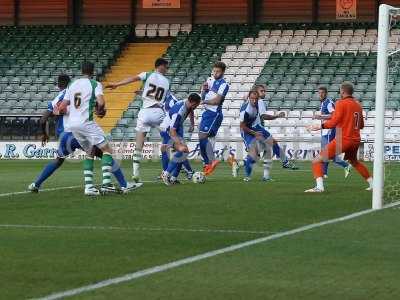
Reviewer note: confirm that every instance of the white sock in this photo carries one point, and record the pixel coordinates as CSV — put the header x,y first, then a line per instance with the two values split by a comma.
x,y
267,168
137,156
370,181
320,183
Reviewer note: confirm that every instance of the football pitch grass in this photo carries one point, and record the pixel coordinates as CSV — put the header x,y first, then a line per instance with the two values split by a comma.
x,y
60,240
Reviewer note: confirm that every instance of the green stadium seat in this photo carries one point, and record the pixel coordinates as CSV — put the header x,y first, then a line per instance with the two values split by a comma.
x,y
301,105
313,104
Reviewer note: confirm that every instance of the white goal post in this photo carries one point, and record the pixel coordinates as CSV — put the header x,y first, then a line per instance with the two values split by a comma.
x,y
386,12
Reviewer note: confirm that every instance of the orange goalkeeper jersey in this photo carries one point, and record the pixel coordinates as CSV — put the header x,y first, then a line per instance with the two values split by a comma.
x,y
347,119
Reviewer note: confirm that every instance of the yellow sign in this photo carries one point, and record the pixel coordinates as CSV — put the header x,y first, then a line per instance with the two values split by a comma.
x,y
161,3
346,9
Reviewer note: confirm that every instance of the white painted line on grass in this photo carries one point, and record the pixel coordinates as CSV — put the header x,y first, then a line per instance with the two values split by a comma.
x,y
192,259
44,190
105,228
53,189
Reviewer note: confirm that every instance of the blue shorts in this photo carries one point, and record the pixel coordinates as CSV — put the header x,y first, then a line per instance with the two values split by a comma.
x,y
210,122
326,139
166,138
67,144
248,139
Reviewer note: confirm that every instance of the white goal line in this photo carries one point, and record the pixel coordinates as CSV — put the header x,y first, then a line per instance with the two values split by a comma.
x,y
43,190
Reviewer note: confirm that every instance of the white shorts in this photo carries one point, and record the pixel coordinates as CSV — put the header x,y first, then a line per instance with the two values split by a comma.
x,y
165,123
89,135
149,118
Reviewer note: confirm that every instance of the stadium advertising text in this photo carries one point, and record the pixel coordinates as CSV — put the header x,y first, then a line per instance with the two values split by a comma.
x,y
124,150
391,151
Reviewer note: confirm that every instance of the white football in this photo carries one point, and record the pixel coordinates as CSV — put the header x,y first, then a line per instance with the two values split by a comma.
x,y
199,177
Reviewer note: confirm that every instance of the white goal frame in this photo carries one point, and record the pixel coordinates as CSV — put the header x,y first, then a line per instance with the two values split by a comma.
x,y
385,11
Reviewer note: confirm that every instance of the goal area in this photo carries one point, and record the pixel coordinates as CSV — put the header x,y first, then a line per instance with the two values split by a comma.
x,y
386,144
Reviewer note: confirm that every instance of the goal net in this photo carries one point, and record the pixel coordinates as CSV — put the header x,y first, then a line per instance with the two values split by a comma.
x,y
386,150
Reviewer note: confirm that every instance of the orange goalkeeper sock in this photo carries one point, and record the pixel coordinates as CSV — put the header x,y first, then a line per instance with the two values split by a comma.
x,y
362,169
318,169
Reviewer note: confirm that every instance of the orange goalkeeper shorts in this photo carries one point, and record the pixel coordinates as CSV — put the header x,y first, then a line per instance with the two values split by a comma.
x,y
349,148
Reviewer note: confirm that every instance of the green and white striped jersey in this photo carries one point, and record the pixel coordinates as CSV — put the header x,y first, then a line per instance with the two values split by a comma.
x,y
82,95
156,87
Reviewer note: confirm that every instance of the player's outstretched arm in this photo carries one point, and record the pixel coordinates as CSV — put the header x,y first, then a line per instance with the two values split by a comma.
x,y
125,81
271,117
323,117
314,127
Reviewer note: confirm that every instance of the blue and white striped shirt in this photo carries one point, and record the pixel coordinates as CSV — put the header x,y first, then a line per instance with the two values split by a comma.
x,y
327,108
178,114
216,87
250,114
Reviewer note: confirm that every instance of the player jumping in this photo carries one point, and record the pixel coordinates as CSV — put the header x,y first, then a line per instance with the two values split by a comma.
x,y
156,87
177,116
82,96
348,120
327,135
213,94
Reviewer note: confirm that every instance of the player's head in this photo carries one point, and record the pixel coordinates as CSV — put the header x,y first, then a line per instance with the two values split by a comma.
x,y
322,93
63,81
261,89
253,97
161,65
87,68
218,70
346,89
194,100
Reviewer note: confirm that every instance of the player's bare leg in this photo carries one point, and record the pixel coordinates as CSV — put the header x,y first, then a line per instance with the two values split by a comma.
x,y
137,155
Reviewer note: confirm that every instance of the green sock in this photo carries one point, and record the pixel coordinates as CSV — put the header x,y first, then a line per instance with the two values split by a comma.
x,y
106,166
88,172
